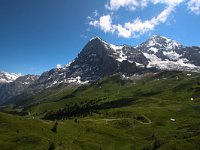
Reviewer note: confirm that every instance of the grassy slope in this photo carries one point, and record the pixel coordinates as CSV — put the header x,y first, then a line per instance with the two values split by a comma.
x,y
142,124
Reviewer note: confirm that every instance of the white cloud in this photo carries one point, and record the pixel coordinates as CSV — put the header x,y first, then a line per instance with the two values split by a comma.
x,y
114,5
134,28
122,32
163,16
95,13
168,2
94,23
194,6
137,27
104,22
58,66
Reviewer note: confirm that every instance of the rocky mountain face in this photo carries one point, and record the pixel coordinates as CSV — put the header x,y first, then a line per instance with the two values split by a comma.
x,y
99,59
96,60
16,87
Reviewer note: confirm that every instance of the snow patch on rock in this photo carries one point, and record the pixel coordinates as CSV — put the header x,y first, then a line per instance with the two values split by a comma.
x,y
181,64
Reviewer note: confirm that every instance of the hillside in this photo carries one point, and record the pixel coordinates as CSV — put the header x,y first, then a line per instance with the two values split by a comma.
x,y
152,111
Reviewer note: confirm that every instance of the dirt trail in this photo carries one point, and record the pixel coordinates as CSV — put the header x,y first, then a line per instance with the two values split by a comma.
x,y
118,119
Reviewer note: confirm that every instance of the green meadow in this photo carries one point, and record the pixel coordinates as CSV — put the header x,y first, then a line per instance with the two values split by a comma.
x,y
154,111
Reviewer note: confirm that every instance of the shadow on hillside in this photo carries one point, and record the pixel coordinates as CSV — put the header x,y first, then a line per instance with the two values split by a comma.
x,y
86,109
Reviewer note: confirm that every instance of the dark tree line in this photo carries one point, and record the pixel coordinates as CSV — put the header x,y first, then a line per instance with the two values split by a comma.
x,y
72,110
85,109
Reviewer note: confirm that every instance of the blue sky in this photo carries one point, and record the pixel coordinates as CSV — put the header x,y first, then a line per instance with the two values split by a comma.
x,y
36,35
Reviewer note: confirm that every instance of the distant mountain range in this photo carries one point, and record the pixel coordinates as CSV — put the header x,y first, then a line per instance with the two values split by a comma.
x,y
99,59
14,86
6,77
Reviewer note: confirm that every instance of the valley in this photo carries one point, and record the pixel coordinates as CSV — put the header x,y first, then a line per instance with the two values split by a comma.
x,y
111,113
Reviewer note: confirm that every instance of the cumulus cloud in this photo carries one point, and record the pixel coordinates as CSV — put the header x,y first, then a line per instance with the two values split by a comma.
x,y
194,6
167,2
130,4
134,28
104,22
58,66
137,27
122,32
114,5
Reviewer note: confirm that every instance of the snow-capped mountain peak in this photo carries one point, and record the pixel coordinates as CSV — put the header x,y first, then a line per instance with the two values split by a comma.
x,y
169,43
106,44
95,37
161,43
98,39
168,54
6,77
